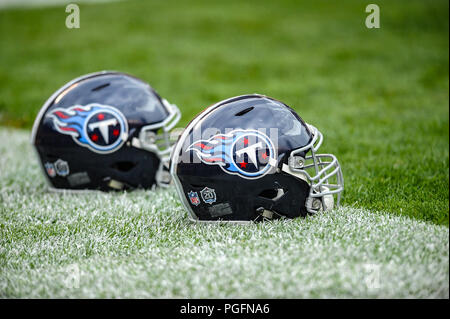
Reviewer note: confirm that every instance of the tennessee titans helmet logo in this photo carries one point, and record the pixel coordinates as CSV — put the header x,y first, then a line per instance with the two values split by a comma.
x,y
248,153
102,129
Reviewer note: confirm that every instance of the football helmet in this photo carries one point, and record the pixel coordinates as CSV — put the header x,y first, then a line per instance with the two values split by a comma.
x,y
252,158
105,131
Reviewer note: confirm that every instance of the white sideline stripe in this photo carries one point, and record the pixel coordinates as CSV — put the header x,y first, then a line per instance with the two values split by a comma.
x,y
4,4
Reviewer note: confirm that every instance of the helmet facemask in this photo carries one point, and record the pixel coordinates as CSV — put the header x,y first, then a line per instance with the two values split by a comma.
x,y
155,138
321,171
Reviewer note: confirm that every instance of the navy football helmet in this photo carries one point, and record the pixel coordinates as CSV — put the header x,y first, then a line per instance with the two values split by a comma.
x,y
105,131
252,158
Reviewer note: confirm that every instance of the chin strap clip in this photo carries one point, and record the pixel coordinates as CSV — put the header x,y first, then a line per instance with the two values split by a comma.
x,y
114,184
266,214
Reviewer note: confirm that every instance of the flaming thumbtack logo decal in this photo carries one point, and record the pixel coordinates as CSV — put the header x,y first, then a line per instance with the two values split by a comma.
x,y
101,128
247,153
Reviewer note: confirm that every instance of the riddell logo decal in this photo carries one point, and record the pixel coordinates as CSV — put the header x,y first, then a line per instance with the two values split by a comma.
x,y
101,128
247,153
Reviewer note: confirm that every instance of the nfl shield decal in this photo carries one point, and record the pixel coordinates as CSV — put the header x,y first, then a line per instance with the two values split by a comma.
x,y
50,168
193,197
247,153
101,128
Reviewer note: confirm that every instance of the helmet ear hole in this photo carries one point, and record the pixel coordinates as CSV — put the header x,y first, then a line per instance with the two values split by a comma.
x,y
272,193
123,166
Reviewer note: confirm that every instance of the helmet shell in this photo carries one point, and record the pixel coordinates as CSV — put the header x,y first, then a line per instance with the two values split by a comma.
x,y
83,132
227,163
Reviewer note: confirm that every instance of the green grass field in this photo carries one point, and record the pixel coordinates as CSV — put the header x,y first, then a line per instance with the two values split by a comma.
x,y
380,96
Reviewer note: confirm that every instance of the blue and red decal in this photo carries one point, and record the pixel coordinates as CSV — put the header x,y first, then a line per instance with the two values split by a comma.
x,y
248,153
193,197
101,128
